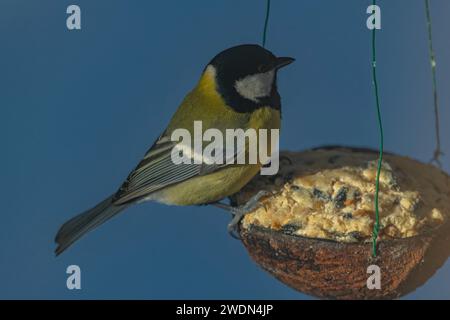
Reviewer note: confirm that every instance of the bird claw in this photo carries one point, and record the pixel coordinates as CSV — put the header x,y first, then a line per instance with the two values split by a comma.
x,y
287,158
240,211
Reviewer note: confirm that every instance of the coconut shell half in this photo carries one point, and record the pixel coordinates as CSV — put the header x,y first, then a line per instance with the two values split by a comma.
x,y
332,269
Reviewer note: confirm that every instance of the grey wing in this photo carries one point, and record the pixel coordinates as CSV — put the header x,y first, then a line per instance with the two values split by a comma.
x,y
156,171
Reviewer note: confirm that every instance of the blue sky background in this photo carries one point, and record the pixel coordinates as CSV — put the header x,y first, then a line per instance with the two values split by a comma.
x,y
80,108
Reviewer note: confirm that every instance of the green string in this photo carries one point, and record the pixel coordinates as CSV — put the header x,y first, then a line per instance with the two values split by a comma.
x,y
376,226
266,22
437,152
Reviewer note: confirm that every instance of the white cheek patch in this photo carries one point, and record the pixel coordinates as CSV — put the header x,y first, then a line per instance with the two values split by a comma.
x,y
255,86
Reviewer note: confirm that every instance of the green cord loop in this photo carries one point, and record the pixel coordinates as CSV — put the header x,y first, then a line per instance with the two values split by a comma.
x,y
266,23
437,152
376,226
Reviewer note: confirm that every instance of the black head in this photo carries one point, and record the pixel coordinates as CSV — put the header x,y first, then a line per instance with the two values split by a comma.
x,y
246,77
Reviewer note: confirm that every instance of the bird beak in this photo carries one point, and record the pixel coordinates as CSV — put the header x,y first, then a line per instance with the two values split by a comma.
x,y
280,62
277,63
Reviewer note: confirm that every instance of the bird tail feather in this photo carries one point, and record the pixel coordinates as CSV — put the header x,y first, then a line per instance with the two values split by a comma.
x,y
81,224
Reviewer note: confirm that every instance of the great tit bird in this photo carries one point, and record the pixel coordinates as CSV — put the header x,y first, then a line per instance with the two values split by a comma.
x,y
237,89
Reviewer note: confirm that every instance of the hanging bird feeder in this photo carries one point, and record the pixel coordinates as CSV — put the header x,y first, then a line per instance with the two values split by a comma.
x,y
336,215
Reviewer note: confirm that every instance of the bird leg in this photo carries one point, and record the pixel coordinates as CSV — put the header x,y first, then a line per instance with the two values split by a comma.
x,y
239,212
